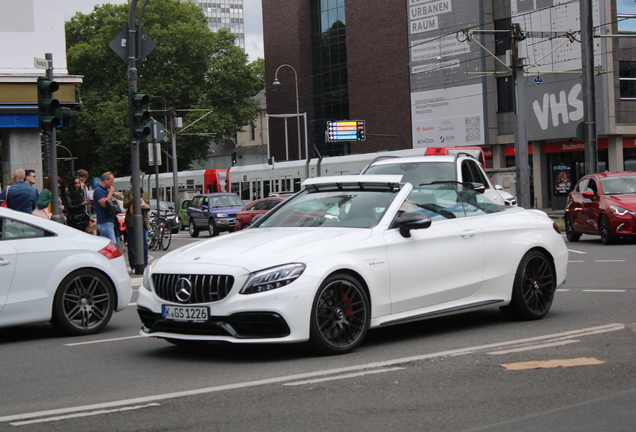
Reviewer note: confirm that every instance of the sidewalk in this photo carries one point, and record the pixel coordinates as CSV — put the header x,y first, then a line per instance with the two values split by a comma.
x,y
554,213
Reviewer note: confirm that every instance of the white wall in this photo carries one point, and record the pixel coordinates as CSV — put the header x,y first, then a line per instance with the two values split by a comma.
x,y
29,29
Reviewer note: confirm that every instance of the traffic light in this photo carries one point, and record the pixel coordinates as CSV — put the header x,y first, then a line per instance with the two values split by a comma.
x,y
49,109
359,135
139,116
233,158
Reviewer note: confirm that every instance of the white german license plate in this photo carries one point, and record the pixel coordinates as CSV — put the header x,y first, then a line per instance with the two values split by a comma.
x,y
185,313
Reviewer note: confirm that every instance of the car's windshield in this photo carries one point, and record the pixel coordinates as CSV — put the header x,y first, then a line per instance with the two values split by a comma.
x,y
619,185
162,205
417,173
225,201
448,200
352,207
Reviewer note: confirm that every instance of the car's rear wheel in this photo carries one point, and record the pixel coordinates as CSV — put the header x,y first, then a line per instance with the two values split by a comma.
x,y
339,316
571,235
212,228
533,288
83,303
194,231
605,231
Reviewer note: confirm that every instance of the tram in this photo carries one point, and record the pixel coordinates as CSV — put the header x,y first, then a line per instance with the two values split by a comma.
x,y
252,182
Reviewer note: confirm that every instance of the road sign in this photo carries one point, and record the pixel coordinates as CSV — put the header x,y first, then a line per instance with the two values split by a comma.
x,y
40,63
538,80
346,130
119,44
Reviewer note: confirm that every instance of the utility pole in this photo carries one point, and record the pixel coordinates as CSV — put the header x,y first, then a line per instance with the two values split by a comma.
x,y
589,90
175,175
522,171
134,144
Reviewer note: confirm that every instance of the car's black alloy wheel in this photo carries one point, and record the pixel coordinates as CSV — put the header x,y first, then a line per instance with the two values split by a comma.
x,y
604,231
83,303
569,230
533,288
340,315
194,231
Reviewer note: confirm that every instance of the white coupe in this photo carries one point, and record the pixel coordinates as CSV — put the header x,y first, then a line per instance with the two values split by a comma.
x,y
350,253
52,272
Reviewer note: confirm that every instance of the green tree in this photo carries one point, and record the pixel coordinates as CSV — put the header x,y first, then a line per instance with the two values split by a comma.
x,y
202,74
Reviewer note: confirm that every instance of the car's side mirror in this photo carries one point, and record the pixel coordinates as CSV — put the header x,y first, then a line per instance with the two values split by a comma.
x,y
410,221
478,187
588,194
498,187
205,208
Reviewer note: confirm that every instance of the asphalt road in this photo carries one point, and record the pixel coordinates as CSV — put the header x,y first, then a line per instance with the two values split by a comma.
x,y
438,375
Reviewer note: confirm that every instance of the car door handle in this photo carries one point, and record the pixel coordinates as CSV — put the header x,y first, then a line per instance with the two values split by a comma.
x,y
4,262
468,233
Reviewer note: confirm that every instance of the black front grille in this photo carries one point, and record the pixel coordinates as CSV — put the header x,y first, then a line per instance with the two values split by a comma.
x,y
204,288
252,325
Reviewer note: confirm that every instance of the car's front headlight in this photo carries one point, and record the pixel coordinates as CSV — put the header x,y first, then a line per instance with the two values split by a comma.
x,y
620,211
272,278
221,215
148,278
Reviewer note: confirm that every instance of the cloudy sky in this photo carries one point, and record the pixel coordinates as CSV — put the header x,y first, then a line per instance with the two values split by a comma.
x,y
253,20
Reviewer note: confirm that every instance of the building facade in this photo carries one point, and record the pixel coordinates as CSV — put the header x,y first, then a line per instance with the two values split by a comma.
x,y
224,14
35,28
424,73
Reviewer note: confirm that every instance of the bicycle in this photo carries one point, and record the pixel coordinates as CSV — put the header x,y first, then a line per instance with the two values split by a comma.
x,y
160,234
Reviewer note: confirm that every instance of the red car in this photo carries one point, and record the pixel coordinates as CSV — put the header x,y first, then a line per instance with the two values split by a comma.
x,y
602,204
261,206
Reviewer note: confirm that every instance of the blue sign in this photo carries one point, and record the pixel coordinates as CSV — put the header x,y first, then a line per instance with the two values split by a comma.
x,y
96,181
538,80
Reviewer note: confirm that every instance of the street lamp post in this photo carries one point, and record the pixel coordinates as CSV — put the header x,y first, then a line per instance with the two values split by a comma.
x,y
276,82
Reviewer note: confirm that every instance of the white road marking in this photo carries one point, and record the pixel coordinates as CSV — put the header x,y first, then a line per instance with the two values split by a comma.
x,y
576,261
606,261
577,252
83,414
339,377
605,290
563,289
533,347
307,375
102,341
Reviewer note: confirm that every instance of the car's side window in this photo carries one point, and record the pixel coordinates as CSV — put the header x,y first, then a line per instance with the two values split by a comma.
x,y
466,174
196,202
581,187
14,230
591,185
270,204
253,207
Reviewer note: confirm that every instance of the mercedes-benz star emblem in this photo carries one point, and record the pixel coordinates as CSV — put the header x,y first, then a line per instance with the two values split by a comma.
x,y
183,290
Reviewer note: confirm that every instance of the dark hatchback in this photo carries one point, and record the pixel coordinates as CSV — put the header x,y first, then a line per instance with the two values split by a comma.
x,y
215,212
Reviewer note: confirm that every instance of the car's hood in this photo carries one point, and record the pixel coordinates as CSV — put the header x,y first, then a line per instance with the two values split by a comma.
x,y
627,201
259,248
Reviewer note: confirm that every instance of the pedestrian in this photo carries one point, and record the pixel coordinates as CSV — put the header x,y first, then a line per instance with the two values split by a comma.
x,y
129,222
20,196
82,174
46,196
76,205
105,221
30,177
